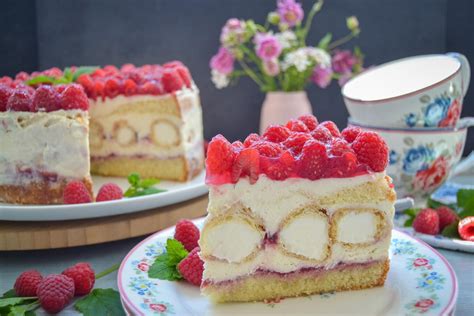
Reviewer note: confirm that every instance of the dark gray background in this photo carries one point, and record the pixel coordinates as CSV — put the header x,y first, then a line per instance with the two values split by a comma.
x,y
45,33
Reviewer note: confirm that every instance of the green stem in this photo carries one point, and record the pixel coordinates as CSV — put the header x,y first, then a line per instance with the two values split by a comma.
x,y
309,20
107,271
341,41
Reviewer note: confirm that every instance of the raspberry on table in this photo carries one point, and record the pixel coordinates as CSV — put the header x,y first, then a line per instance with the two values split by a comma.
x,y
350,133
371,150
276,133
247,162
427,222
466,228
83,276
313,160
220,155
332,128
109,192
76,192
46,98
20,100
27,283
187,233
192,267
74,98
296,126
446,217
55,292
309,120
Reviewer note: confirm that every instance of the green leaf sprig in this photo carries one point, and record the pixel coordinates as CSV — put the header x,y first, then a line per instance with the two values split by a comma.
x,y
141,187
165,265
69,76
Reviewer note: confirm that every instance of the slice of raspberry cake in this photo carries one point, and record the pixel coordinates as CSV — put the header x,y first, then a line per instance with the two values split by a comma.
x,y
301,209
43,140
145,119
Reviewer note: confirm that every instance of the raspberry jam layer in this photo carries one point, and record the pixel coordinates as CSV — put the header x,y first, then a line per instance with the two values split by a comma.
x,y
302,148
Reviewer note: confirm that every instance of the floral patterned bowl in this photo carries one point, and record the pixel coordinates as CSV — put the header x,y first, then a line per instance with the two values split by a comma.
x,y
421,158
420,91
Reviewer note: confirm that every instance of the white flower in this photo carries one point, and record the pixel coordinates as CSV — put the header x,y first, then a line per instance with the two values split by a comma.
x,y
297,58
286,38
219,79
320,56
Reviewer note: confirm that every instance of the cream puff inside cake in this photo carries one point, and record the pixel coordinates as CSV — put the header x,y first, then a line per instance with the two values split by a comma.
x,y
302,209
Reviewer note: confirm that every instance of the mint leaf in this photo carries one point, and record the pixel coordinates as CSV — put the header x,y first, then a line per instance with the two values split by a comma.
x,y
24,310
466,213
133,179
146,183
411,213
67,74
451,231
84,70
165,265
465,200
175,250
40,79
100,302
324,42
140,187
147,191
9,293
15,300
435,204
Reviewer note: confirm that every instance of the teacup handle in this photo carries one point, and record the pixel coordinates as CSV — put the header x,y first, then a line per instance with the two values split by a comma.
x,y
465,122
465,70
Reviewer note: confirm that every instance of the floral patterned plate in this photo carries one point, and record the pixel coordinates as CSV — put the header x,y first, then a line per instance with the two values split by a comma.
x,y
420,281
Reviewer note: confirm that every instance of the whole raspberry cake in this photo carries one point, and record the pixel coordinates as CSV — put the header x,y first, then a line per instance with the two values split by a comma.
x,y
301,209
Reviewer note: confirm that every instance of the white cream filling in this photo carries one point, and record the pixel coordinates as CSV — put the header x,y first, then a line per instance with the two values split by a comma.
x,y
357,227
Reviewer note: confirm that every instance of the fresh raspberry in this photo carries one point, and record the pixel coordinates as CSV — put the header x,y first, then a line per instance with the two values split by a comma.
x,y
466,228
184,74
446,217
27,283
192,267
237,146
338,146
76,192
55,292
309,120
110,70
129,87
296,142
171,80
350,133
427,222
99,88
343,165
252,138
83,276
322,134
187,233
173,64
151,87
74,98
136,77
112,88
98,73
46,98
280,169
5,93
220,155
22,76
52,72
371,150
268,149
247,162
128,68
332,128
276,133
296,126
60,88
5,80
88,84
313,160
109,192
20,100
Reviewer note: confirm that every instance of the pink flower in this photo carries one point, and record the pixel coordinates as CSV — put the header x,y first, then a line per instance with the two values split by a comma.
x,y
429,179
420,262
143,266
267,46
233,32
452,116
424,303
322,76
223,61
271,67
158,307
290,12
343,61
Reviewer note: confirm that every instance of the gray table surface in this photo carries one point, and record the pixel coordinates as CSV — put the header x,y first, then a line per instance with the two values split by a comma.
x,y
105,255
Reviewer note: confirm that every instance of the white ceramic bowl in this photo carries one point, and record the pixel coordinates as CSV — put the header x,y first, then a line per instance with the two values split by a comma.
x,y
420,91
421,158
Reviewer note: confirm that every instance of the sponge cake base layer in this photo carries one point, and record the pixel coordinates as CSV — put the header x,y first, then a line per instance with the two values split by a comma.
x,y
263,286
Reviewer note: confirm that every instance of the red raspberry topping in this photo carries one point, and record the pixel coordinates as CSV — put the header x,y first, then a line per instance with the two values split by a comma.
x,y
88,84
427,222
74,98
322,134
53,72
220,155
371,150
99,88
296,142
338,146
466,228
5,93
446,217
252,138
112,88
185,75
128,68
83,276
192,267
129,87
20,100
247,162
109,192
55,292
173,64
350,133
237,146
309,120
27,283
280,169
187,233
313,160
6,80
60,88
76,192
296,126
98,73
136,76
268,149
340,166
332,128
171,80
22,76
46,98
110,70
276,133
150,87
